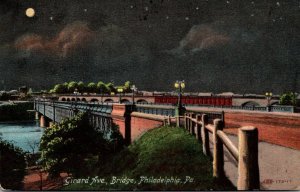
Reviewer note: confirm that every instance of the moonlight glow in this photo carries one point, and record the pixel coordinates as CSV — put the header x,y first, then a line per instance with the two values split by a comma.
x,y
30,12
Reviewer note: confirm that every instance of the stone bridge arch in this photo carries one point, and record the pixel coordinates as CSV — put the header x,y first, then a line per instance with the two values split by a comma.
x,y
275,103
94,100
63,99
250,104
125,101
108,101
141,101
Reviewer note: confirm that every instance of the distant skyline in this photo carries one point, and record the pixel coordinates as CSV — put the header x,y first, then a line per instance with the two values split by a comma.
x,y
214,45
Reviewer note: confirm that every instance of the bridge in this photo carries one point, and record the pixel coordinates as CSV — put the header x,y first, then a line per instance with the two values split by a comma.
x,y
108,98
237,103
134,120
128,114
257,101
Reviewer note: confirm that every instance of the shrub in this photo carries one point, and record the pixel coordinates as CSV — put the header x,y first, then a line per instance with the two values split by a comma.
x,y
12,166
288,99
67,146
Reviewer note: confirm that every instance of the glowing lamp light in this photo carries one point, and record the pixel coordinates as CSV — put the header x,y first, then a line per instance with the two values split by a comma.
x,y
269,94
120,90
182,85
179,84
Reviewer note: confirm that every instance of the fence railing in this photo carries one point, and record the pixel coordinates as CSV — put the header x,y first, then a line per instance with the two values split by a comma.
x,y
155,109
281,108
56,111
211,115
273,108
246,154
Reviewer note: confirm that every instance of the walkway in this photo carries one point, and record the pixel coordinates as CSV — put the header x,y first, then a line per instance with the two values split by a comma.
x,y
279,166
32,181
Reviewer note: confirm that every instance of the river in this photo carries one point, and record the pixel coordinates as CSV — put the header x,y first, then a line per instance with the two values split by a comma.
x,y
25,135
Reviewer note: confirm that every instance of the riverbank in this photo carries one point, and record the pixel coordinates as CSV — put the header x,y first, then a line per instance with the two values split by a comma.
x,y
19,121
16,111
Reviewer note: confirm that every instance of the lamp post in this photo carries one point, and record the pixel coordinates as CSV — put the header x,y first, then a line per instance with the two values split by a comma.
x,y
179,86
101,92
269,97
120,91
76,93
133,88
294,99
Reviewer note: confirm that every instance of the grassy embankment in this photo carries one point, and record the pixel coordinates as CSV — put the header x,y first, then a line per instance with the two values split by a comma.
x,y
16,112
162,152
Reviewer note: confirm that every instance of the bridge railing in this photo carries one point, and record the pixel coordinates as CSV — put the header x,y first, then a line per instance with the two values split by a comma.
x,y
155,109
273,108
67,109
99,113
211,115
281,108
246,154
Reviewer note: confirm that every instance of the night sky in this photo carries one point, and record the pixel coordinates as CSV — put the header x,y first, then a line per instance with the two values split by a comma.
x,y
214,45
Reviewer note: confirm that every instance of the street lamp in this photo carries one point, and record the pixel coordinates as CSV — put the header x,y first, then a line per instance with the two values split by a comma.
x,y
133,88
294,99
269,97
76,94
120,90
179,85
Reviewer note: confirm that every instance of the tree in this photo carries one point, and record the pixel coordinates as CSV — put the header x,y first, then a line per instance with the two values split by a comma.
x,y
127,86
81,87
33,145
12,166
59,88
288,99
4,96
66,146
65,85
92,87
72,86
101,87
110,87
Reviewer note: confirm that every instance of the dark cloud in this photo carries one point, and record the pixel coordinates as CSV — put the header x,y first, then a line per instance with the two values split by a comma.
x,y
201,37
72,37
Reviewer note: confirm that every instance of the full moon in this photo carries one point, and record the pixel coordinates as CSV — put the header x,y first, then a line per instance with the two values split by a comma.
x,y
30,12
